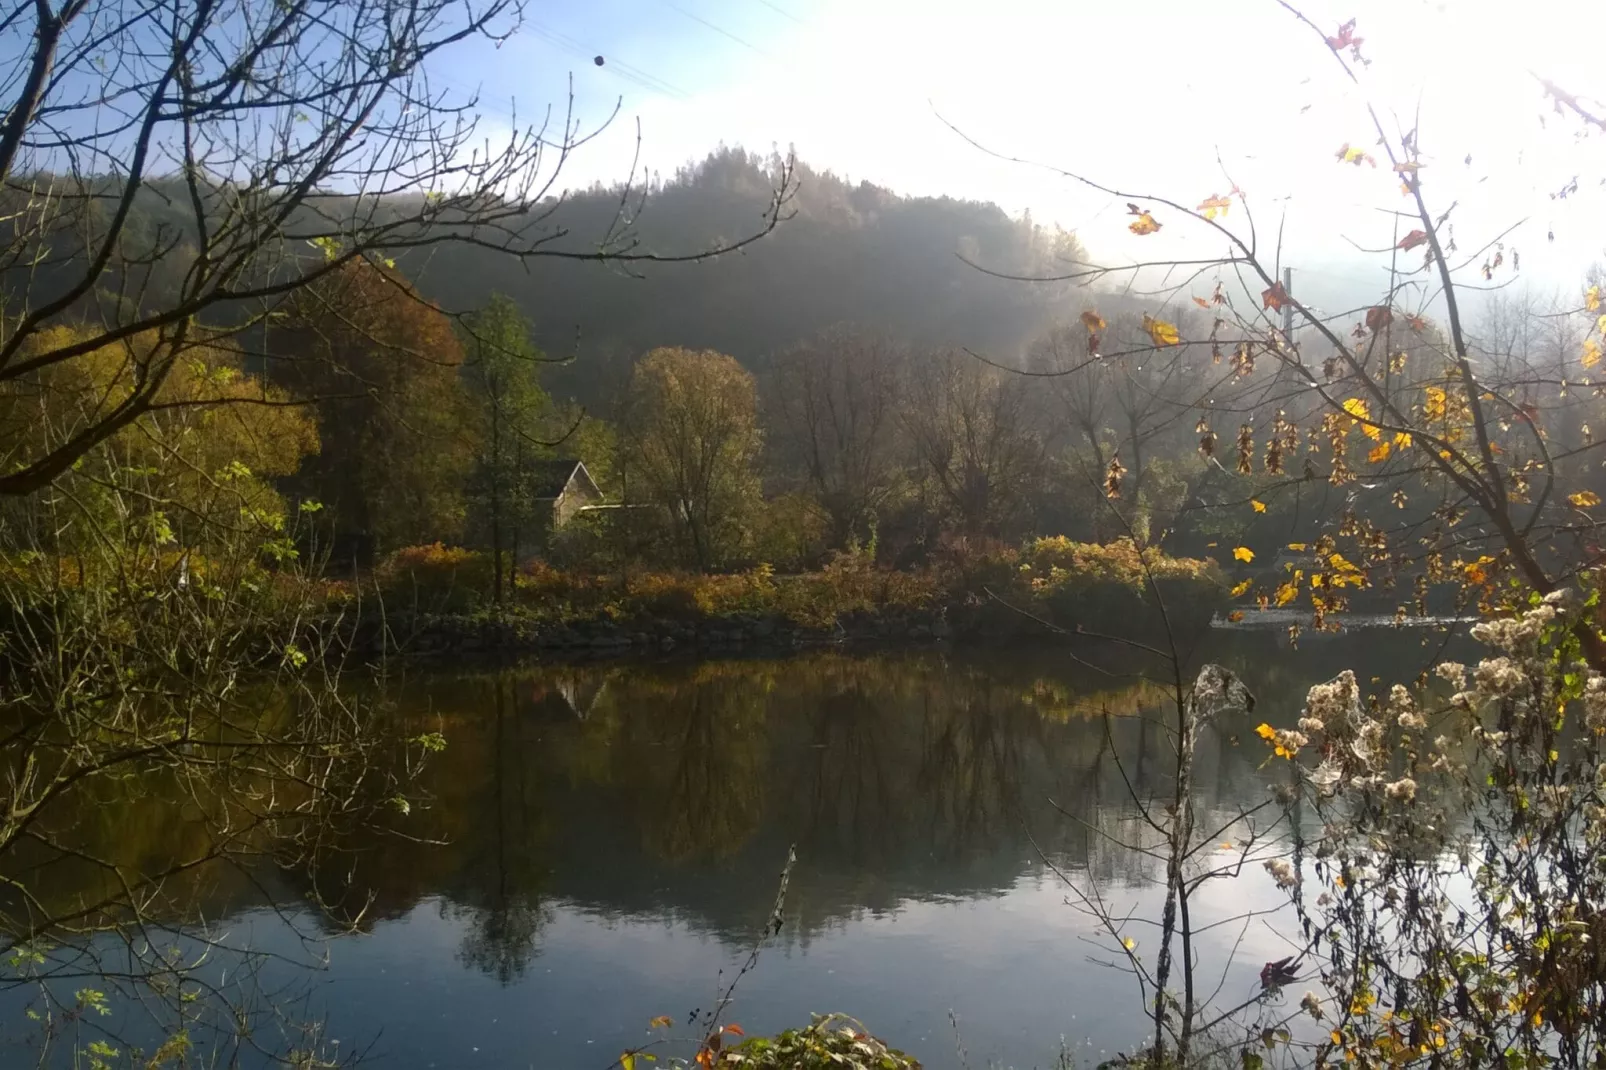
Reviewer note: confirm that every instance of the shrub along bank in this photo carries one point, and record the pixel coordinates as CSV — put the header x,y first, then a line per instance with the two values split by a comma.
x,y
438,599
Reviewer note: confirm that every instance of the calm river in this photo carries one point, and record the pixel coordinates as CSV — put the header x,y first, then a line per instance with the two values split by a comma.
x,y
600,844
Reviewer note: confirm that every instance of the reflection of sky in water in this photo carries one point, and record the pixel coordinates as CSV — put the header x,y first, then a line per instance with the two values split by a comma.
x,y
613,835
1014,967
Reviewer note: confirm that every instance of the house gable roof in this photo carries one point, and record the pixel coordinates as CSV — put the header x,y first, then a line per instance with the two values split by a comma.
x,y
549,479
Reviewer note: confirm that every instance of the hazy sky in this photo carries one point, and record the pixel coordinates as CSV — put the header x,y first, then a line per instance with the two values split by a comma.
x,y
1139,94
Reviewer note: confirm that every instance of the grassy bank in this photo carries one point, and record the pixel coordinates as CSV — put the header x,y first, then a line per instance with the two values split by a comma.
x,y
442,597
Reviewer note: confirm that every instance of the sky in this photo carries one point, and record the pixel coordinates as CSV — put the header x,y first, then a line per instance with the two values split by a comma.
x,y
1156,97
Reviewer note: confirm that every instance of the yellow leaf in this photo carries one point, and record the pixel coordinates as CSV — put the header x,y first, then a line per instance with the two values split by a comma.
x,y
1297,547
627,1061
1243,553
1143,224
1129,943
1379,453
1163,333
1225,846
1436,404
1092,320
1259,507
1242,587
1287,593
1235,616
1584,499
1592,299
1265,731
1402,440
1214,206
1591,355
663,1021
1357,408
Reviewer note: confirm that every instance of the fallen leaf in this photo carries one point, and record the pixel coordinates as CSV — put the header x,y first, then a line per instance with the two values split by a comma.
x,y
1584,499
1163,333
1201,302
1416,323
1092,320
1235,616
1297,547
1274,297
1243,553
734,1028
1412,240
1214,206
1259,507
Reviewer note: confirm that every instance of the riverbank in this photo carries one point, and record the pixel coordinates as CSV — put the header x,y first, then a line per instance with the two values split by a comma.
x,y
439,601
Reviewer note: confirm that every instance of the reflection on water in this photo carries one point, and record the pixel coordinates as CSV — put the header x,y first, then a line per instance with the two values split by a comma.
x,y
598,841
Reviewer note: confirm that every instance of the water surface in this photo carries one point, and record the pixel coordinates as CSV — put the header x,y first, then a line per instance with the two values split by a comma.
x,y
600,844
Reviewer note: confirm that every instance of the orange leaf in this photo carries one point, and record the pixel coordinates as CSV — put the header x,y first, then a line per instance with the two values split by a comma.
x,y
1274,297
1236,615
1378,317
1380,453
1092,320
734,1028
1201,302
663,1021
1416,323
1412,240
1143,224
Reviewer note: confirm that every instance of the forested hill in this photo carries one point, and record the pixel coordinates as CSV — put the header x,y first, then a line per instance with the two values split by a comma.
x,y
853,253
846,254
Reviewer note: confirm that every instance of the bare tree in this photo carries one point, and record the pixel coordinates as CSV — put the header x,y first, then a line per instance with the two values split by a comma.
x,y
832,403
971,429
177,169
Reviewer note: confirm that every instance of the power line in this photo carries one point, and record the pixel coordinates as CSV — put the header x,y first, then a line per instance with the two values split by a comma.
x,y
779,10
618,68
716,28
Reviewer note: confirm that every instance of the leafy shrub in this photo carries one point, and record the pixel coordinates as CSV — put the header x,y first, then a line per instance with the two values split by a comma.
x,y
436,578
832,1041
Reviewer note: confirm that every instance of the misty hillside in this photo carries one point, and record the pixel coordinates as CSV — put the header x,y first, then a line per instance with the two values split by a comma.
x,y
850,253
847,253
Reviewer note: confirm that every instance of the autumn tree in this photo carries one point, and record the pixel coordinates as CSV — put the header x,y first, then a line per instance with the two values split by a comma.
x,y
972,431
234,154
510,413
693,439
1117,405
383,365
833,406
